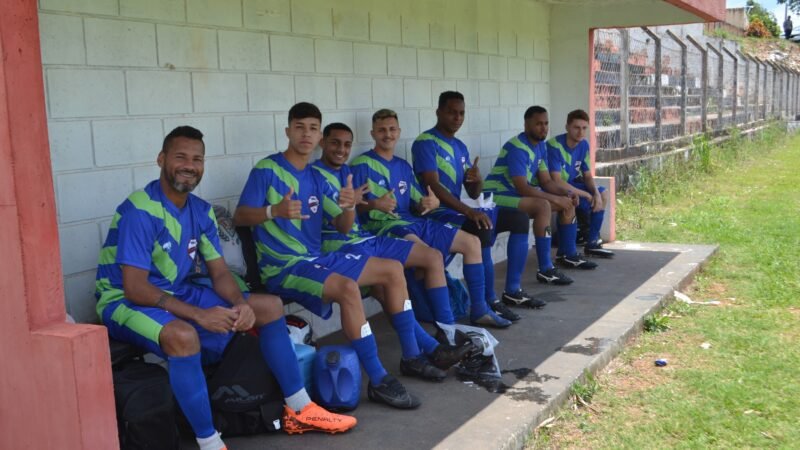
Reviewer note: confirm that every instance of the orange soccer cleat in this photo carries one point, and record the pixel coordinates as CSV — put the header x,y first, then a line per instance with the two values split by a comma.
x,y
315,418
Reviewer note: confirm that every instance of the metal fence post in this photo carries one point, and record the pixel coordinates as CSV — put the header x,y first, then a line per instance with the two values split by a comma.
x,y
746,86
657,79
624,103
684,68
755,106
764,112
704,83
720,82
735,83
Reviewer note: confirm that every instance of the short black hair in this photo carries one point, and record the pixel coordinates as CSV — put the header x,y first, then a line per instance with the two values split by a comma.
x,y
446,96
335,126
304,110
182,131
534,110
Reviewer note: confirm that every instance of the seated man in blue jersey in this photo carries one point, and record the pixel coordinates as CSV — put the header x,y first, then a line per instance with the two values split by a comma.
x,y
442,162
570,164
521,180
393,199
156,239
287,201
337,142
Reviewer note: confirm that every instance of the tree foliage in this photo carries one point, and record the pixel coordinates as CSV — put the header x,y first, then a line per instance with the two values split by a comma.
x,y
794,5
757,12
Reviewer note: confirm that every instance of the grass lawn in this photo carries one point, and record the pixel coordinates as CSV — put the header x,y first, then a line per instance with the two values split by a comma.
x,y
732,375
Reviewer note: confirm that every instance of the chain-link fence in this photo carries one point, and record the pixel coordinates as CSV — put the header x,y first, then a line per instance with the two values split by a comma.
x,y
654,88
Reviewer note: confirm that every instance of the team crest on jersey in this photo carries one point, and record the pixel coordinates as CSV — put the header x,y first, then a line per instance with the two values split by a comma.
x,y
447,158
463,160
167,246
382,183
313,204
403,187
192,248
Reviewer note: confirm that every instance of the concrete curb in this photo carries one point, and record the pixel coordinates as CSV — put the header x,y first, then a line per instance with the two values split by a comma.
x,y
506,424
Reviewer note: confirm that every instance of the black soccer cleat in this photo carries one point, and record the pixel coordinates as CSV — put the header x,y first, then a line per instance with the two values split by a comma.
x,y
596,249
553,276
446,356
522,299
575,262
420,367
391,392
504,311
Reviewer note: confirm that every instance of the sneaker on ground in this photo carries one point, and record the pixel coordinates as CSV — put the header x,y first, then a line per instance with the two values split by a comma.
x,y
504,311
523,299
315,418
553,276
596,249
575,262
392,393
446,356
420,367
490,319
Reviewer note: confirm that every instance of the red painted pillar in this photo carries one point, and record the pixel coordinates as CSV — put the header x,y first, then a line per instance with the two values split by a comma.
x,y
55,387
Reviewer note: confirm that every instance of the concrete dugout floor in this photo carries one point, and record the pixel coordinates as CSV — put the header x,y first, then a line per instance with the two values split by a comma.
x,y
583,327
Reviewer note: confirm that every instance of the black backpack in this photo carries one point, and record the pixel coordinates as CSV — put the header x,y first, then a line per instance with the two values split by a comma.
x,y
245,396
145,405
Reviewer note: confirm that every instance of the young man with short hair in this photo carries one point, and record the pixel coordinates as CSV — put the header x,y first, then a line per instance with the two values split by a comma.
x,y
286,201
337,142
520,180
570,164
156,239
442,161
394,196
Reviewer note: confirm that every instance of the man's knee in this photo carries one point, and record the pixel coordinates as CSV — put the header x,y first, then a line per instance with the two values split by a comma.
x,y
343,291
178,338
432,258
266,307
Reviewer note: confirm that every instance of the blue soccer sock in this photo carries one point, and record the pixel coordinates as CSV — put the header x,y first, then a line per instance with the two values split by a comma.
x,y
439,298
595,224
476,281
488,273
403,323
278,352
567,233
517,256
367,351
189,386
426,342
543,252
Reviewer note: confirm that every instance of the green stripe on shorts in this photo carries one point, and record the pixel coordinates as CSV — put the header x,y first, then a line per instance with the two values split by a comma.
x,y
137,322
507,201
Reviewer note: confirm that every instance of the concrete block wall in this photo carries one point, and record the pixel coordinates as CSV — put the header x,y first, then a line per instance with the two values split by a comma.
x,y
120,74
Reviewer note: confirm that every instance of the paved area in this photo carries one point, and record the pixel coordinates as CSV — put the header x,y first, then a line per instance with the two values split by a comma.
x,y
583,326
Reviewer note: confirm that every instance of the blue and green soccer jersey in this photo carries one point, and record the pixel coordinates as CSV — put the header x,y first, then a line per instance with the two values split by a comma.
x,y
332,240
449,156
518,158
283,242
570,162
149,232
382,176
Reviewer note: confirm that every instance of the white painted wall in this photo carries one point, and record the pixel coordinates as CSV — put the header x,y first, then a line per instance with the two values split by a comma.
x,y
120,74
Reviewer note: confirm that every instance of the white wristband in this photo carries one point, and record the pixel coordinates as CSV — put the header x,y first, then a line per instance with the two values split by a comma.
x,y
269,212
352,208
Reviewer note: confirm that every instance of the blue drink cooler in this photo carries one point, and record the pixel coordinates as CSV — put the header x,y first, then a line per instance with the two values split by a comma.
x,y
305,359
337,378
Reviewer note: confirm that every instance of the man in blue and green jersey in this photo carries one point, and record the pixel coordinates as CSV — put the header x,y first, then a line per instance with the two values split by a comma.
x,y
570,164
521,180
393,199
286,201
157,238
442,161
337,142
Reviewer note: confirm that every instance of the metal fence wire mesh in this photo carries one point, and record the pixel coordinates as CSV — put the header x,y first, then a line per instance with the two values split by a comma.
x,y
641,101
